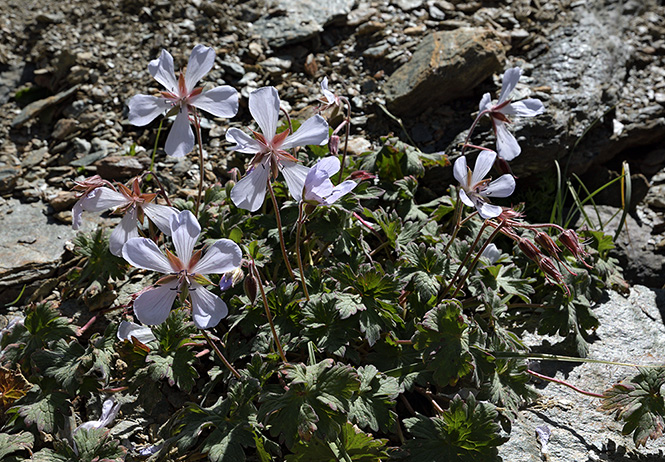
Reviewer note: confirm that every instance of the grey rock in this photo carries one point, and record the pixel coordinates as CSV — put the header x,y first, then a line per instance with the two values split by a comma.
x,y
64,128
636,246
34,108
301,21
31,245
631,331
121,167
234,69
35,157
377,51
444,66
8,177
9,81
408,5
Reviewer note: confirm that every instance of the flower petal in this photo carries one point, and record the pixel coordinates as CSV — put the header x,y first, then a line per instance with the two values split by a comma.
x,y
483,165
163,71
102,199
465,198
244,143
317,184
485,102
503,186
77,211
207,309
329,164
185,231
250,191
160,215
264,107
180,141
153,306
525,108
313,131
224,255
486,210
220,101
143,109
339,191
200,62
143,253
460,172
506,144
126,229
127,330
295,175
510,79
492,253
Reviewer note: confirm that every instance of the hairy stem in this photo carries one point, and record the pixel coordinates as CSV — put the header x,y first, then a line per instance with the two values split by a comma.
x,y
346,138
279,230
257,275
301,220
561,382
220,355
197,124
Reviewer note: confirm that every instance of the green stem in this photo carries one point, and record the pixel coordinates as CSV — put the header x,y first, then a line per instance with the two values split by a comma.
x,y
456,218
570,359
197,124
466,259
301,220
478,254
221,356
279,230
257,275
346,138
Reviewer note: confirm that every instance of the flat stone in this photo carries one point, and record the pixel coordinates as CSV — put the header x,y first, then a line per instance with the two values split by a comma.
x,y
33,109
34,157
121,167
64,128
302,20
8,177
445,66
631,331
31,244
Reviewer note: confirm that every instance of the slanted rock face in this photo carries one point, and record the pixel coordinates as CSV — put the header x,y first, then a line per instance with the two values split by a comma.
x,y
445,65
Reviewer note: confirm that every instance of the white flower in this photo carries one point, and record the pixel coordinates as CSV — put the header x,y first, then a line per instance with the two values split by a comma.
x,y
270,150
109,410
329,98
132,203
476,189
127,330
506,144
185,270
318,189
182,94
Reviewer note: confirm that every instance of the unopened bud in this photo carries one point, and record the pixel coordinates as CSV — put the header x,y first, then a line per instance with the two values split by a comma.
x,y
546,242
529,249
360,175
503,166
333,145
251,286
571,241
549,268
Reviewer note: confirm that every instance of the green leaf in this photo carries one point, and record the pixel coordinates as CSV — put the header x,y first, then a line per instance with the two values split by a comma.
x,y
639,404
322,323
568,318
66,363
372,405
177,329
94,444
505,279
229,423
466,432
47,411
354,444
13,443
315,403
443,338
100,264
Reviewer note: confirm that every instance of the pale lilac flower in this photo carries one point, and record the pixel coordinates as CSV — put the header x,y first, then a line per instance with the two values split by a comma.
x,y
499,113
318,189
270,150
127,330
182,94
329,98
492,253
476,189
185,271
132,203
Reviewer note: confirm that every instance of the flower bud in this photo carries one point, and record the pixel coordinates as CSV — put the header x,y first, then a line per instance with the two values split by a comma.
x,y
546,242
251,287
360,175
333,145
529,249
231,278
571,241
503,166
